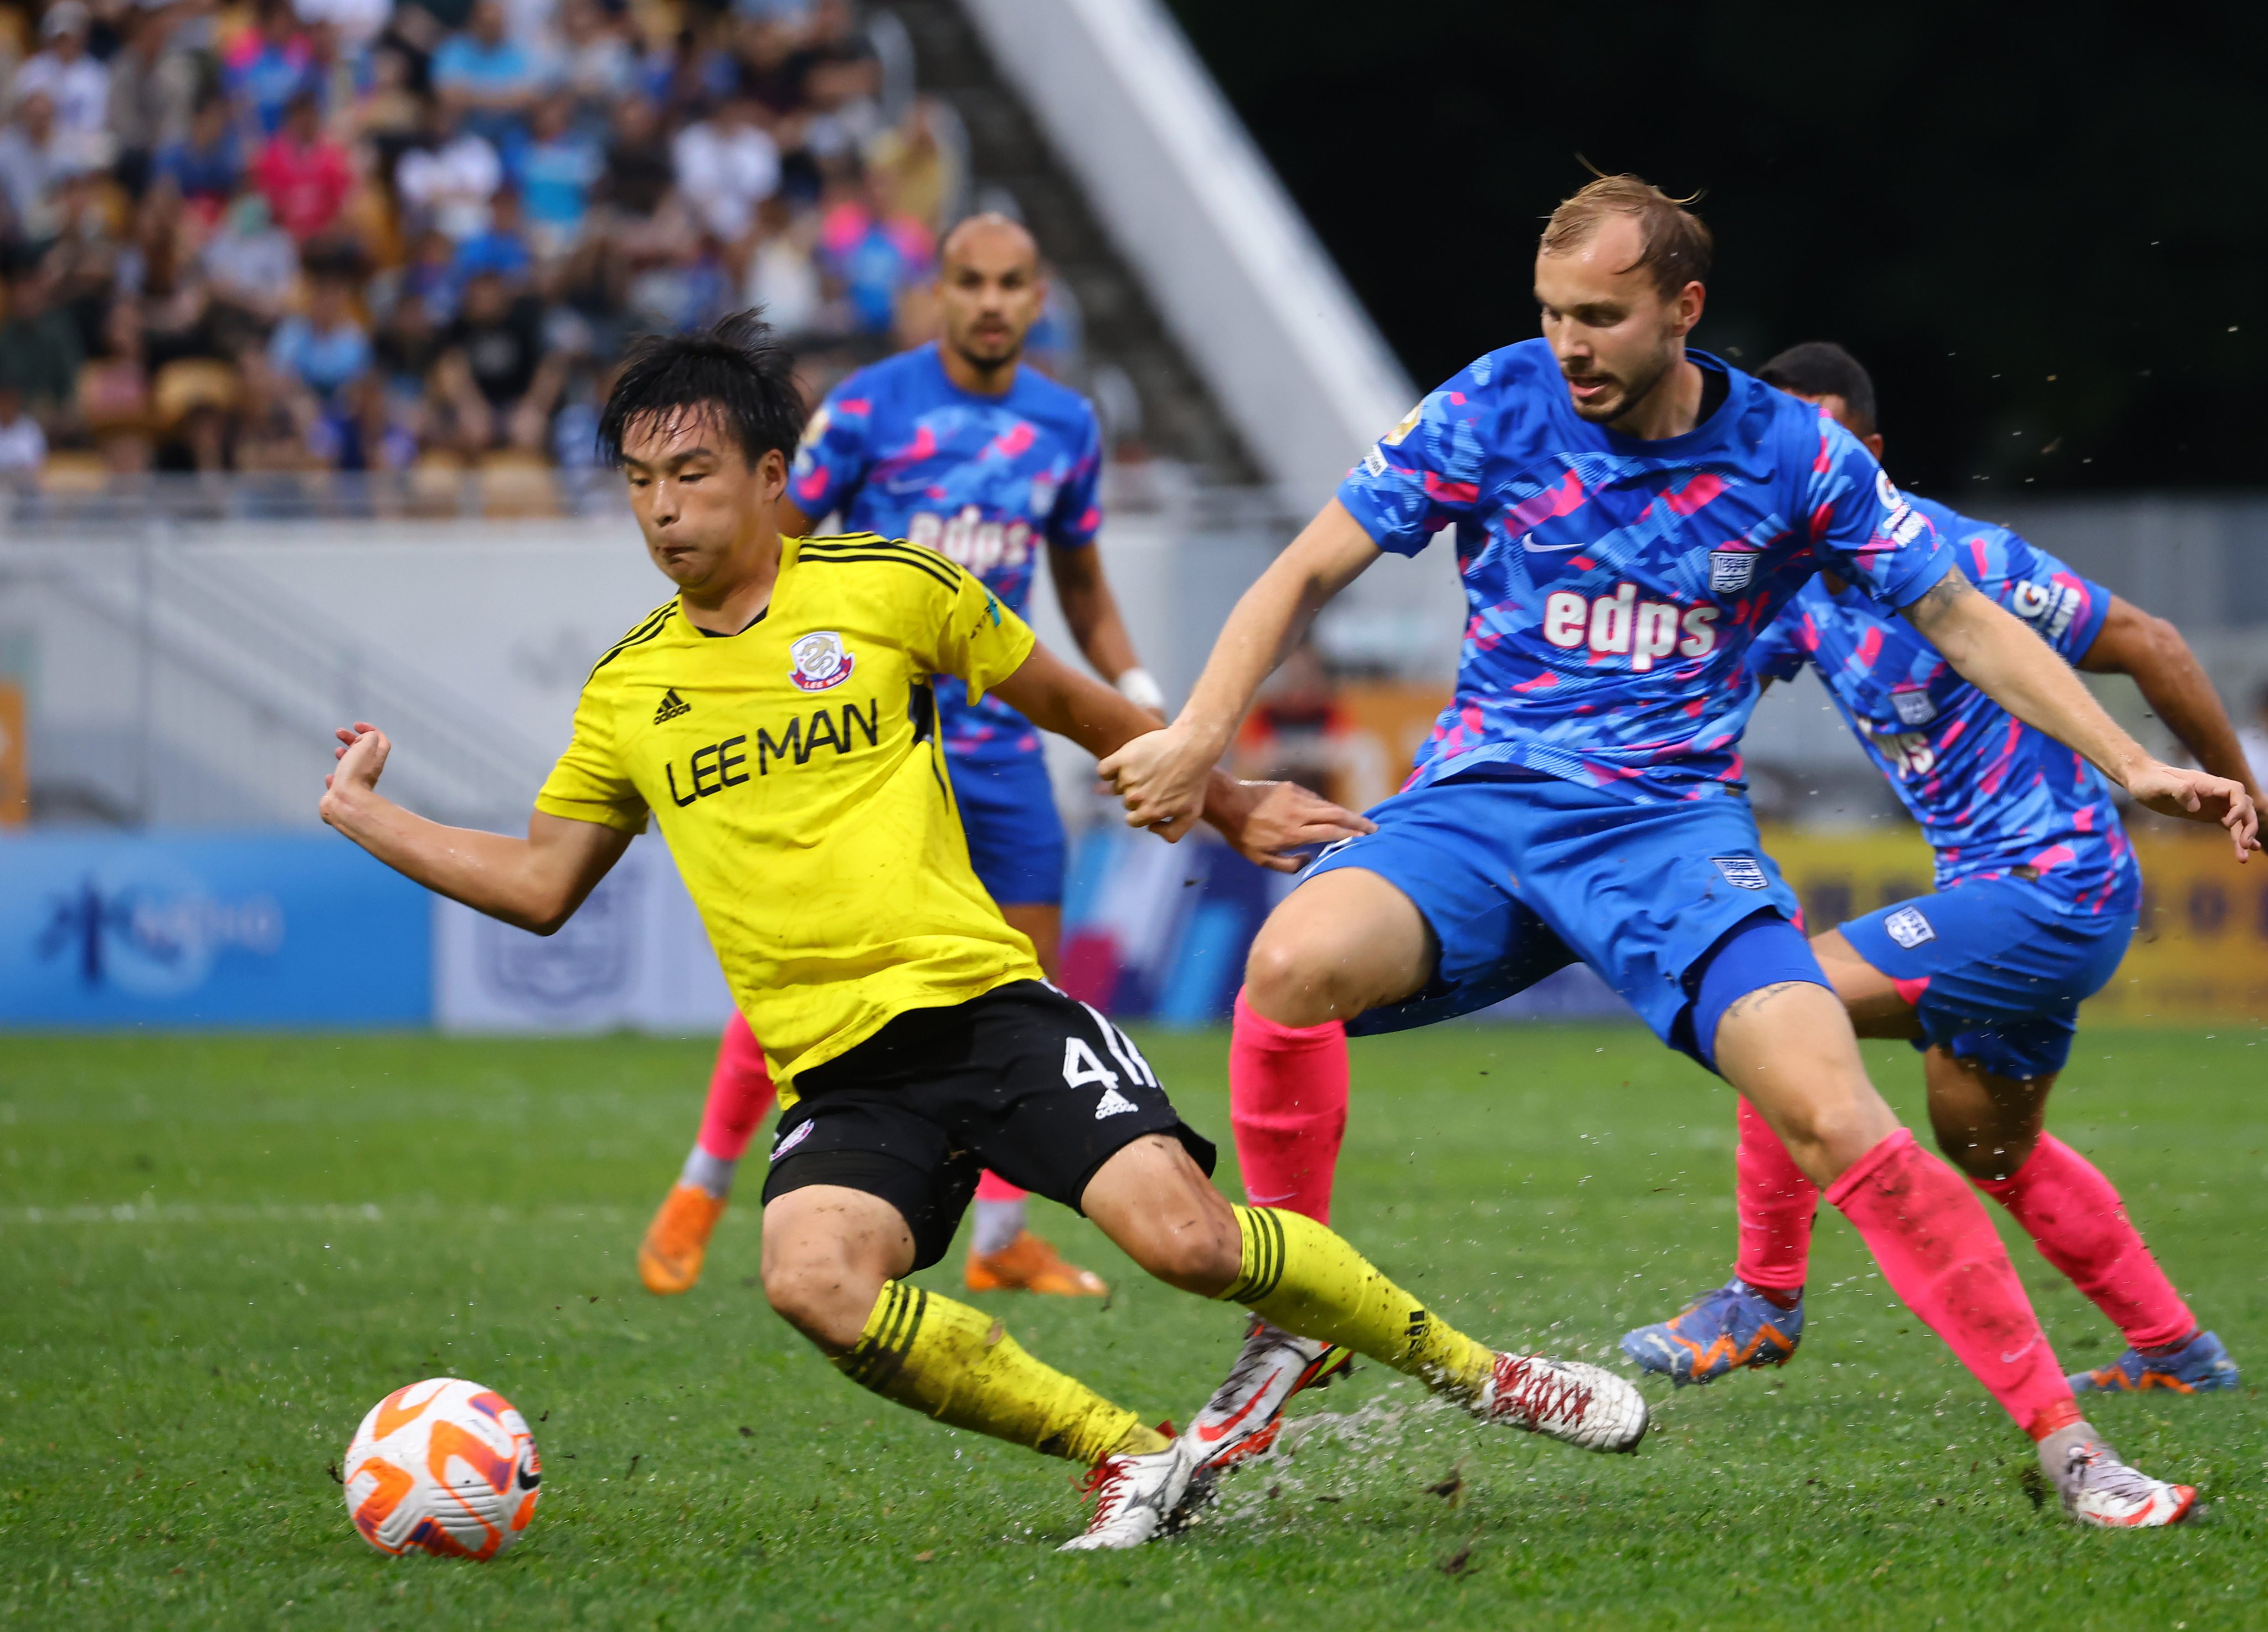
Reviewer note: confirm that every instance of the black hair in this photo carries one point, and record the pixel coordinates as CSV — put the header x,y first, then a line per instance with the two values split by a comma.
x,y
1820,368
737,369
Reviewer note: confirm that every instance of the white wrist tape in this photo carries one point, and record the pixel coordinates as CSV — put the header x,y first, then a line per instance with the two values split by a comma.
x,y
1140,687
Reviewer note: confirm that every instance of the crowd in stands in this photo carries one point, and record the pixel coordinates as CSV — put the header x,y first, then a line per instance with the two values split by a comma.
x,y
364,235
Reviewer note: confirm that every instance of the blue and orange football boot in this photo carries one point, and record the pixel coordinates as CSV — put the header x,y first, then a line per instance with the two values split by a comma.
x,y
1720,1331
2198,1366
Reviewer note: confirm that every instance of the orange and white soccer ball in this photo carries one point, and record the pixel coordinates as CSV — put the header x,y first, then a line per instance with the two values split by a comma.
x,y
443,1466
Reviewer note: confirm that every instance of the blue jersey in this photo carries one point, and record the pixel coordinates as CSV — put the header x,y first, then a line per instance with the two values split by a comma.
x,y
900,450
1614,584
1995,798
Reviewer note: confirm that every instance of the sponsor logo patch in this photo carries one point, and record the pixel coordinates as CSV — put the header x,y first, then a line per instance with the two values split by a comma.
x,y
1374,462
821,662
801,1131
1908,927
1731,570
1742,872
1113,1103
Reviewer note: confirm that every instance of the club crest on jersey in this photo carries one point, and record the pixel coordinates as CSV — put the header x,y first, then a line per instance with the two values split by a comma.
x,y
1731,570
795,1138
1742,872
1908,927
820,661
1913,705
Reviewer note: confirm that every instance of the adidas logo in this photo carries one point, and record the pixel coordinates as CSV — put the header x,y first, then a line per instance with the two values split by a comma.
x,y
1113,1103
671,706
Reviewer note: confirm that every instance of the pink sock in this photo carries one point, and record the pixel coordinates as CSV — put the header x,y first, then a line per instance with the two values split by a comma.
x,y
2074,1216
739,1093
992,1187
1287,1105
1776,1203
1937,1249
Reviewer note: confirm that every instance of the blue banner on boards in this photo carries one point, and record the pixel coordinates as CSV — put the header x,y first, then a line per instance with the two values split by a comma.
x,y
179,930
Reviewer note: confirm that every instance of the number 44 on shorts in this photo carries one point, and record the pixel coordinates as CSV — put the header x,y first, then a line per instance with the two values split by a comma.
x,y
1082,1068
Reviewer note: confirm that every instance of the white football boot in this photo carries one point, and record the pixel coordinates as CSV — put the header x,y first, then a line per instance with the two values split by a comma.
x,y
1583,1406
1134,1497
1245,1412
2102,1492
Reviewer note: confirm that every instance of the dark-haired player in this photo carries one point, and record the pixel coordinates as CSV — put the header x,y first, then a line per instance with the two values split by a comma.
x,y
777,716
2038,891
1629,514
960,446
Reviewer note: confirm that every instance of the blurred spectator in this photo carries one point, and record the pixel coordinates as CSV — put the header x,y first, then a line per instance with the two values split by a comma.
x,y
501,248
302,174
114,390
356,22
144,102
596,66
269,65
35,161
493,380
451,184
252,262
875,252
555,169
23,445
325,349
206,166
77,84
639,168
40,354
486,80
725,166
783,275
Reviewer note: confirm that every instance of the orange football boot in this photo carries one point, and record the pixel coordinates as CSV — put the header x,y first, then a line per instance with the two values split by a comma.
x,y
669,1258
1028,1264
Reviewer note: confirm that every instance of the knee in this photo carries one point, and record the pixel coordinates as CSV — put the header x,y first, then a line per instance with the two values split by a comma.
x,y
1280,980
1984,1154
1204,1257
820,1296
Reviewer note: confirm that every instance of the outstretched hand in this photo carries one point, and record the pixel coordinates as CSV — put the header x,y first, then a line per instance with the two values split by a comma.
x,y
1267,820
2193,795
361,754
1161,775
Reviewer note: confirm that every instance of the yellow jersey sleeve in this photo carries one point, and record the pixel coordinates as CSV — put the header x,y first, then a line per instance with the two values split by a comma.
x,y
591,782
977,639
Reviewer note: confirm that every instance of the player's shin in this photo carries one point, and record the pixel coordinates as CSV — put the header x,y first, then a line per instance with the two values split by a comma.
x,y
740,1094
1288,1106
1299,1274
1937,1248
961,1366
1777,1203
2074,1215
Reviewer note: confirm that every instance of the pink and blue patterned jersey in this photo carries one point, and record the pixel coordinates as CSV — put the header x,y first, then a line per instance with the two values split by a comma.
x,y
900,450
1614,584
1995,798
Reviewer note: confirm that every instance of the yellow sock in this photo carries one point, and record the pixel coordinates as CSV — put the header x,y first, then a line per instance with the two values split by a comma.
x,y
1306,1280
959,1366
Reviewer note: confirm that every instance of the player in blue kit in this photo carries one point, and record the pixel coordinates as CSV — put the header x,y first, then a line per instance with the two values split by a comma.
x,y
2036,894
959,446
1629,514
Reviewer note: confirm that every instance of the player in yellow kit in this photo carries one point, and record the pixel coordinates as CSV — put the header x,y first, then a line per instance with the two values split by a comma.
x,y
777,718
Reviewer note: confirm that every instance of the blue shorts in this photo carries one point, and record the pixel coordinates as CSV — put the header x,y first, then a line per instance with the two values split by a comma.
x,y
1015,835
1517,877
1994,970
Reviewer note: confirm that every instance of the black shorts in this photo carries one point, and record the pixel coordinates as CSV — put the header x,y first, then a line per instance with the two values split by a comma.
x,y
1023,1080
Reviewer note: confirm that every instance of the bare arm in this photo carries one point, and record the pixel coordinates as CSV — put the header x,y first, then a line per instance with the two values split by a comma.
x,y
2173,682
1994,651
536,883
1162,776
1261,819
1092,610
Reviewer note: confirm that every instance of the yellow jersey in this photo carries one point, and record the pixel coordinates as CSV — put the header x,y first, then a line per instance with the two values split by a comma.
x,y
797,775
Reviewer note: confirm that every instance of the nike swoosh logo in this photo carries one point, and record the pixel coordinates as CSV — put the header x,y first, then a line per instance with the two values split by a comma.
x,y
2014,1355
1210,1434
1269,1201
1529,544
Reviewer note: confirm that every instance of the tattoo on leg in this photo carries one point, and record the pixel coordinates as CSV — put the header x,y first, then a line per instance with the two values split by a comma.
x,y
1747,1004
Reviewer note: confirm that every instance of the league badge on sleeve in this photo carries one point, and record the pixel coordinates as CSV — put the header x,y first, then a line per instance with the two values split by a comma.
x,y
1913,704
1742,872
821,662
1908,927
1732,569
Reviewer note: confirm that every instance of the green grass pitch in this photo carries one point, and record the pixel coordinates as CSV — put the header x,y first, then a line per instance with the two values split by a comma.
x,y
216,1255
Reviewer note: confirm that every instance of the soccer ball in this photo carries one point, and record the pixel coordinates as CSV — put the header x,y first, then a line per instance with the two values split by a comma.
x,y
443,1466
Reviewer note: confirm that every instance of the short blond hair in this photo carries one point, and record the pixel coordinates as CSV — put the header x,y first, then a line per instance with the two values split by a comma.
x,y
1674,246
